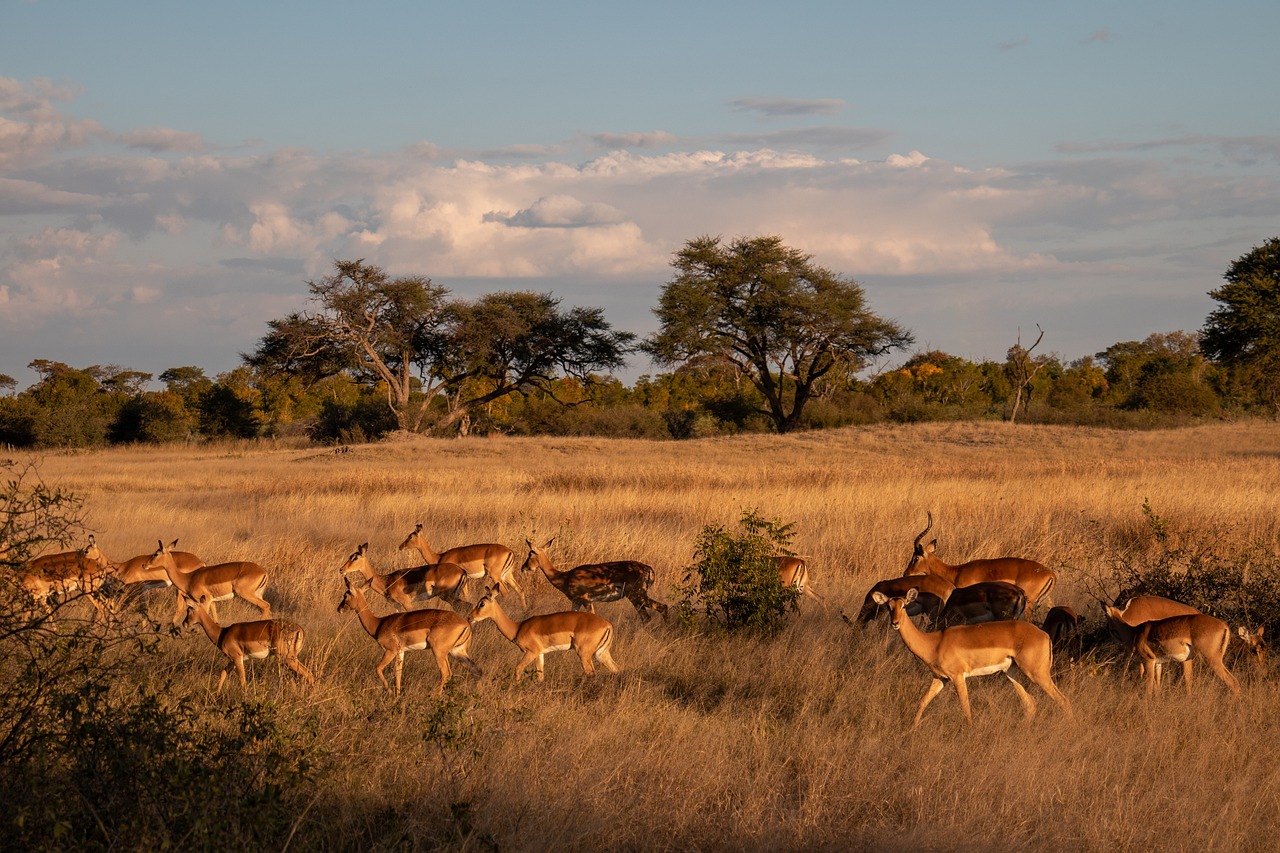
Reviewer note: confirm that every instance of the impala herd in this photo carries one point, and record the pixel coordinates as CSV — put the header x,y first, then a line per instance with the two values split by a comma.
x,y
978,612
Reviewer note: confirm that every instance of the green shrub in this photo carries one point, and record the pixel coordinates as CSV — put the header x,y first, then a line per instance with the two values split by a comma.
x,y
737,583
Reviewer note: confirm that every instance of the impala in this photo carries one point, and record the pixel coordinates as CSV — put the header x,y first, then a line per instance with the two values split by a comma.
x,y
445,632
1035,579
590,634
211,584
1148,608
955,654
989,601
794,572
249,640
1176,638
1063,627
594,583
138,579
1254,644
496,561
932,593
406,586
85,571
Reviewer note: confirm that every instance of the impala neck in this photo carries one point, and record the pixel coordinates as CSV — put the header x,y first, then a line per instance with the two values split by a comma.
x,y
505,623
363,566
367,619
922,645
170,566
428,556
211,628
543,559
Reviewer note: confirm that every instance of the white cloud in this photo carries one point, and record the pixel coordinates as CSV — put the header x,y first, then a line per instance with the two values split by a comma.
x,y
160,139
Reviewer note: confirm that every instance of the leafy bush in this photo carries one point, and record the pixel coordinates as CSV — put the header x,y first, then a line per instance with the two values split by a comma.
x,y
737,583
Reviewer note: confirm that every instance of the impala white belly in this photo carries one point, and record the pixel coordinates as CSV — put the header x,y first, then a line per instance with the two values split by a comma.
x,y
415,647
990,670
226,597
561,647
258,654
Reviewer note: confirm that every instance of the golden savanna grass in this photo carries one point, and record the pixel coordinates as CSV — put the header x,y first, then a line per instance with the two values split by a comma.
x,y
796,741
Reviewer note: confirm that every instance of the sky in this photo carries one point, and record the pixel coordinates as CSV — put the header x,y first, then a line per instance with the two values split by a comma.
x,y
172,174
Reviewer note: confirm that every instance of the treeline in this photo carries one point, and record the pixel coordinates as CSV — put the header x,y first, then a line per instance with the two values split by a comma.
x,y
1162,380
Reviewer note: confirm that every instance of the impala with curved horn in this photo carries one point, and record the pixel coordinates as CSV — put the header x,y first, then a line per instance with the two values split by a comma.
x,y
1176,638
536,636
498,562
446,633
794,572
249,640
596,583
210,584
967,651
1036,580
406,586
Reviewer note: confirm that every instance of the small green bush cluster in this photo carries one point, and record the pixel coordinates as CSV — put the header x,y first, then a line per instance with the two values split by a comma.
x,y
734,579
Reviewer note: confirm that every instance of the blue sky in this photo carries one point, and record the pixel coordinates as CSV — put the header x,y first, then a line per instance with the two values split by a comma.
x,y
171,174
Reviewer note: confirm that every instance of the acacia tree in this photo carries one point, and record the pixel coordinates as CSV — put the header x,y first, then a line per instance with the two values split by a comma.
x,y
383,330
769,312
519,343
405,335
1243,333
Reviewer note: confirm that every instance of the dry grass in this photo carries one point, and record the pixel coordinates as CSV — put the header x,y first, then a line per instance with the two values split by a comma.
x,y
799,741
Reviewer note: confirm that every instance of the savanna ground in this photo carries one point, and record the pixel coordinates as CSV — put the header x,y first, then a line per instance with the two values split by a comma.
x,y
798,740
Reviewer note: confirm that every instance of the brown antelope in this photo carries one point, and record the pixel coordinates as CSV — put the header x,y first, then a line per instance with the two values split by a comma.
x,y
590,634
445,632
932,593
1063,627
1254,644
211,584
1148,608
138,579
1035,579
249,640
1175,638
84,571
965,651
498,562
989,601
406,586
596,583
794,572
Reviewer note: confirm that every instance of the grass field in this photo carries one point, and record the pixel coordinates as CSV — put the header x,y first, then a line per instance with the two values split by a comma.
x,y
707,742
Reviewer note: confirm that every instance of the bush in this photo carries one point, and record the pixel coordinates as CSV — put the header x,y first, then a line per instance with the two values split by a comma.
x,y
737,582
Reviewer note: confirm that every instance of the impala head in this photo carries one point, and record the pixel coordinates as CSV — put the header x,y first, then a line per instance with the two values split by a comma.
x,y
897,606
349,597
919,550
536,553
353,563
484,607
158,555
1254,643
412,540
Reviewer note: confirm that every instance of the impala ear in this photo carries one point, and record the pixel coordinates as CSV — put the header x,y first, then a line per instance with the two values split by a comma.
x,y
173,544
549,541
911,595
932,546
363,548
879,597
160,543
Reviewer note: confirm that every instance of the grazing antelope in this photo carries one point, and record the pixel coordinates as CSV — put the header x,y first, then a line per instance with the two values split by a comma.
x,y
932,593
210,584
1035,579
406,586
989,601
85,571
1063,627
138,579
445,632
1254,645
595,583
955,654
590,634
1148,608
794,572
498,562
248,640
1175,638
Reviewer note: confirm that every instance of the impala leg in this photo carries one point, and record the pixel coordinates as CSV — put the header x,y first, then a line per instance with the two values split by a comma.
x,y
962,691
223,679
529,657
463,655
1225,674
934,689
1186,674
510,579
388,658
297,666
538,664
257,601
584,655
602,655
442,661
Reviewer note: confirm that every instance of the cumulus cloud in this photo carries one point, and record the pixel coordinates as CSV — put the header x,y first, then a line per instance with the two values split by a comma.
x,y
787,107
32,129
559,211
